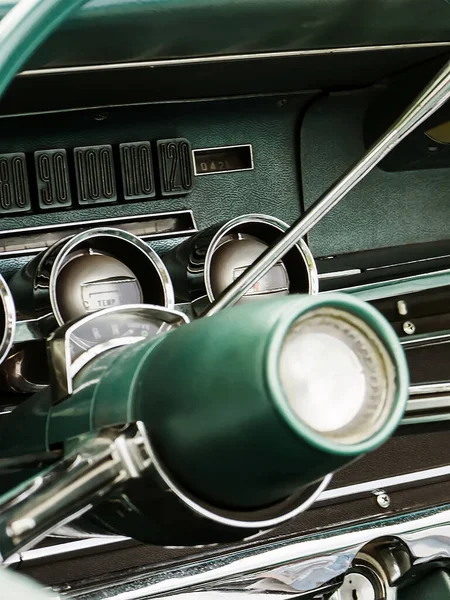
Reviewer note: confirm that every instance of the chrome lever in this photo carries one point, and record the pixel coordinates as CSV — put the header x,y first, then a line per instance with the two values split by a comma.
x,y
430,100
93,466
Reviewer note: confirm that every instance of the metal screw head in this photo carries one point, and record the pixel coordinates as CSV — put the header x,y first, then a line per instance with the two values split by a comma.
x,y
383,500
408,327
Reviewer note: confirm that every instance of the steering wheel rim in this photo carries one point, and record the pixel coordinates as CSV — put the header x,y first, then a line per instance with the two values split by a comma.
x,y
24,28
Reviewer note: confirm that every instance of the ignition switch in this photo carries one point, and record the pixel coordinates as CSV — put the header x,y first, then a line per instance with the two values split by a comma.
x,y
375,572
358,586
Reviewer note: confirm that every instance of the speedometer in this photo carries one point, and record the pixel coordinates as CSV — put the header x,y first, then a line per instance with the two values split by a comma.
x,y
72,346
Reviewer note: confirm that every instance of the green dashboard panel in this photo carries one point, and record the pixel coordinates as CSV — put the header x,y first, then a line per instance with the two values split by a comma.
x,y
106,31
272,188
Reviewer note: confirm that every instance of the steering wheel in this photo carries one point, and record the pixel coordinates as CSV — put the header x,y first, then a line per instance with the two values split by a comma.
x,y
24,28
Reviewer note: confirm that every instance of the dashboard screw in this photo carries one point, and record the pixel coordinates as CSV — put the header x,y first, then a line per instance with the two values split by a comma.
x,y
408,327
383,500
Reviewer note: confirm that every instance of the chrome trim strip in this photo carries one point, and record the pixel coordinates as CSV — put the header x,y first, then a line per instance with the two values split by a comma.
x,y
346,492
166,62
385,483
155,215
408,262
401,285
425,339
301,564
424,405
422,419
66,547
109,222
439,387
428,403
337,274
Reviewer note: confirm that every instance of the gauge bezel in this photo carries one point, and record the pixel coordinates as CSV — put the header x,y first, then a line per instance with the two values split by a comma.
x,y
301,247
9,311
74,243
65,369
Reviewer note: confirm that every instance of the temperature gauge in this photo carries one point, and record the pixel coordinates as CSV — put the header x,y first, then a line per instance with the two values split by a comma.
x,y
97,269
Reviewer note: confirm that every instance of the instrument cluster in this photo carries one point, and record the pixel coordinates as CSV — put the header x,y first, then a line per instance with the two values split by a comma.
x,y
108,269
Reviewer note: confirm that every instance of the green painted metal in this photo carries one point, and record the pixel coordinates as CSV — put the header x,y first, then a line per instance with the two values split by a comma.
x,y
435,586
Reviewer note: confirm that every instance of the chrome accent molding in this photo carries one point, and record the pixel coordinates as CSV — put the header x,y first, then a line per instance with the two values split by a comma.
x,y
416,478
425,339
395,287
70,547
170,62
337,274
334,495
293,566
428,403
118,222
440,387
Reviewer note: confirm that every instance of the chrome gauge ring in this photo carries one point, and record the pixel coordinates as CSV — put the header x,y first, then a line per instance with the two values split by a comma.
x,y
7,320
127,271
96,269
203,266
297,272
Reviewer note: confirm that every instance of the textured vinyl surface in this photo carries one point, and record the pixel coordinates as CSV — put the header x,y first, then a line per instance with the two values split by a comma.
x,y
385,209
271,188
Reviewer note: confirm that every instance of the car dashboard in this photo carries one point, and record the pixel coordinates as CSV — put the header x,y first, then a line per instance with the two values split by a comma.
x,y
150,153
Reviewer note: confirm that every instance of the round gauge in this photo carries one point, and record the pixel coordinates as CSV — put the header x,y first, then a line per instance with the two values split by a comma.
x,y
205,264
127,325
106,268
94,270
234,253
75,344
240,242
7,320
91,281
